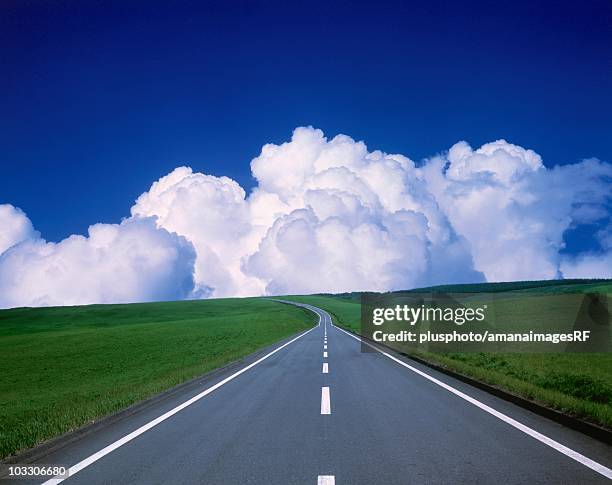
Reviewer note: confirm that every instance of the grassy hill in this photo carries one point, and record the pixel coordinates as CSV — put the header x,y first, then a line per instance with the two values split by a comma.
x,y
547,286
540,286
65,366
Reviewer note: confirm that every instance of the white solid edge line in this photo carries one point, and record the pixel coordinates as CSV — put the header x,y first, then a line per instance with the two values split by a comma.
x,y
324,354
325,368
326,480
73,470
593,465
325,404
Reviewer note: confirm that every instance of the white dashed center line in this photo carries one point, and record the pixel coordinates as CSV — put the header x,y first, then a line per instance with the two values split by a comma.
x,y
325,368
325,404
326,480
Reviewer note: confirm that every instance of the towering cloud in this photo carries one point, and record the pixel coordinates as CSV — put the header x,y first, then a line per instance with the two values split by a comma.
x,y
349,219
325,216
212,213
512,210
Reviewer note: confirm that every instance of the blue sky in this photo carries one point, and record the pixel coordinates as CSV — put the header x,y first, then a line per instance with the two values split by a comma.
x,y
101,98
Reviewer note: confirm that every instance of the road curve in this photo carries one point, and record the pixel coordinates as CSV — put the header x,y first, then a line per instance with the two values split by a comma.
x,y
316,409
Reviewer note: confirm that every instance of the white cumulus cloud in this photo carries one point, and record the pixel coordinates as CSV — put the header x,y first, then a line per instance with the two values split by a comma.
x,y
366,219
513,210
326,215
212,213
117,263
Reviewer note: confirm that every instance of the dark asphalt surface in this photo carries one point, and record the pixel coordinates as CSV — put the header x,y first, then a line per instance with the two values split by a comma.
x,y
387,425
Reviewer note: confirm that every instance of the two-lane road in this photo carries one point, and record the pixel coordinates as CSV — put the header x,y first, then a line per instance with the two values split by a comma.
x,y
316,409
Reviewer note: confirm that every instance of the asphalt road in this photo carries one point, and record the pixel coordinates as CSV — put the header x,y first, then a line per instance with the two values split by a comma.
x,y
346,417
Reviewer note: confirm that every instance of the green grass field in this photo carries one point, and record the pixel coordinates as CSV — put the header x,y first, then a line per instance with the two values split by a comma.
x,y
579,384
66,366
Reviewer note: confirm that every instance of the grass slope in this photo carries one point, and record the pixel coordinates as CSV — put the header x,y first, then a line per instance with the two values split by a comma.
x,y
543,286
63,367
578,384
